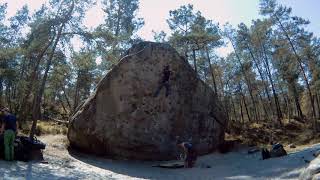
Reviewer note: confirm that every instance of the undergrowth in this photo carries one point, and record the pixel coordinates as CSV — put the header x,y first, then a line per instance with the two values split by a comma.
x,y
264,133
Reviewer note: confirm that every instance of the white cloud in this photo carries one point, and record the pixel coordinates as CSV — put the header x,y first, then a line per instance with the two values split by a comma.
x,y
98,60
14,5
224,51
94,16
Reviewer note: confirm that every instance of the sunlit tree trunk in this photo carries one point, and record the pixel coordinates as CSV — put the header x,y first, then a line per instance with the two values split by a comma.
x,y
31,81
246,79
303,73
194,60
36,111
211,72
275,95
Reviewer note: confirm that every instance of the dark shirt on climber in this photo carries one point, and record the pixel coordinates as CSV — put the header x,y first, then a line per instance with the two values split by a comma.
x,y
165,82
10,122
166,74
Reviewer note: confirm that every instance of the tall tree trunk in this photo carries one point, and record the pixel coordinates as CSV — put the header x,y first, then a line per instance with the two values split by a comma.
x,y
36,106
67,99
119,14
76,94
245,103
299,60
212,72
22,112
241,110
318,104
234,109
246,78
261,76
194,61
7,93
1,91
289,109
275,95
246,107
264,107
226,102
296,100
62,104
36,112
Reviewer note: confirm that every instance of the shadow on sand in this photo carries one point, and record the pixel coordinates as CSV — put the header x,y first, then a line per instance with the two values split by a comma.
x,y
233,165
135,169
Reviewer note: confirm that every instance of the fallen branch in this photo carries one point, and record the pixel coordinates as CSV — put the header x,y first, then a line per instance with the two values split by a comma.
x,y
59,121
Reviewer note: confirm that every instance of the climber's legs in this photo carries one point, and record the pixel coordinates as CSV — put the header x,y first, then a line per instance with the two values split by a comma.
x,y
163,84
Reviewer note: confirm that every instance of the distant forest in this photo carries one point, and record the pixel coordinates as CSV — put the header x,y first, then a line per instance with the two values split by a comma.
x,y
272,74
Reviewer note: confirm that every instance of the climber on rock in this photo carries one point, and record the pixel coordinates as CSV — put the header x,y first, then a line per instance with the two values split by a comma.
x,y
164,82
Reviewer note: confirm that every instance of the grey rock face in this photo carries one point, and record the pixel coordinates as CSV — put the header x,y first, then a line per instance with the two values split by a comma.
x,y
312,172
123,118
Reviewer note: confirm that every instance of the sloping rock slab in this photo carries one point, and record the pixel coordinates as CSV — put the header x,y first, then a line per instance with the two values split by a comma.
x,y
312,172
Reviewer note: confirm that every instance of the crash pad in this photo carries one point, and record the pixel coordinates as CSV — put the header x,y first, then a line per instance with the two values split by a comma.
x,y
170,165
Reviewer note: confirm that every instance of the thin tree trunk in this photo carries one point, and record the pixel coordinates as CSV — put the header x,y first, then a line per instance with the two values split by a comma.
x,y
76,94
226,102
264,107
67,99
1,91
36,107
62,104
261,76
194,60
318,104
7,94
245,103
246,78
289,109
119,14
31,81
275,95
36,112
212,72
234,109
282,94
246,107
297,101
241,110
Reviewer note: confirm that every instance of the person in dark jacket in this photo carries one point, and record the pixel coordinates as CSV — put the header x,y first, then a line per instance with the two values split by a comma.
x,y
9,127
190,154
164,81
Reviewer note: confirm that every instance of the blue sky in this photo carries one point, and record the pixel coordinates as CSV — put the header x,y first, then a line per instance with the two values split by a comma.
x,y
155,13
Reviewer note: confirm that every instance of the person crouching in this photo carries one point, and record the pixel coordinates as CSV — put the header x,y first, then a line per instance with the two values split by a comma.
x,y
190,154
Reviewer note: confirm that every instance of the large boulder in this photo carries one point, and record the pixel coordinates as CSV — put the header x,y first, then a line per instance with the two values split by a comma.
x,y
123,118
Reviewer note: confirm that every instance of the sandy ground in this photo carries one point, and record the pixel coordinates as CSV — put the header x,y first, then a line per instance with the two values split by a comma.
x,y
234,165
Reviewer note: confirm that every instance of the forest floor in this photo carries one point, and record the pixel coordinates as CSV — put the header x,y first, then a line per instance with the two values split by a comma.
x,y
238,164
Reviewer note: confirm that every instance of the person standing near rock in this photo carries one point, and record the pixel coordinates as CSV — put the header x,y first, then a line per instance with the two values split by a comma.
x,y
164,82
9,127
190,154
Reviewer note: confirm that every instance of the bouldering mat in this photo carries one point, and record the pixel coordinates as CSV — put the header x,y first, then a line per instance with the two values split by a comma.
x,y
170,165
